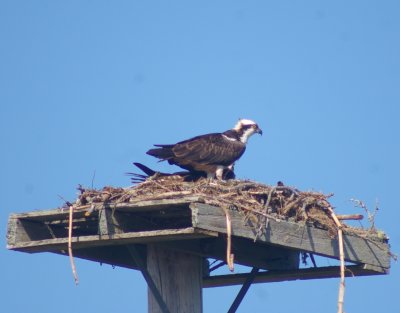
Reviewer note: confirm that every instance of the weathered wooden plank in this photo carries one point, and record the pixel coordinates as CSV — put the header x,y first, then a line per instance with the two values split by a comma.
x,y
108,222
245,251
50,245
12,232
20,230
159,203
135,217
47,215
294,235
288,275
114,255
137,206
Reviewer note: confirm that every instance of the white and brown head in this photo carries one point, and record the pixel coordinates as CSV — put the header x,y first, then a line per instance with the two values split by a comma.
x,y
246,128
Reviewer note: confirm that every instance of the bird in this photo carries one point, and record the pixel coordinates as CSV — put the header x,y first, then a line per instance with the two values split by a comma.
x,y
211,154
184,175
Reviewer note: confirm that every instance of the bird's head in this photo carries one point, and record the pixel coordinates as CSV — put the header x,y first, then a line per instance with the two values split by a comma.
x,y
245,128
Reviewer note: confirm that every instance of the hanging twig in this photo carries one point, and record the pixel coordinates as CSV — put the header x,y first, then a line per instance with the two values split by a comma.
x,y
341,256
229,254
342,272
71,257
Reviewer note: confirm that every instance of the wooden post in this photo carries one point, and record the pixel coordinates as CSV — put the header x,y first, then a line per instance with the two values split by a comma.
x,y
178,276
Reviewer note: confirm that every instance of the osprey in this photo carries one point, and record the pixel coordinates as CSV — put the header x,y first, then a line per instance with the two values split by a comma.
x,y
211,153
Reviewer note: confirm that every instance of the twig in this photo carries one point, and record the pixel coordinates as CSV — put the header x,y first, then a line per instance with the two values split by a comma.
x,y
65,201
166,195
356,217
269,199
93,177
264,220
342,272
341,256
371,216
71,257
229,255
86,206
161,186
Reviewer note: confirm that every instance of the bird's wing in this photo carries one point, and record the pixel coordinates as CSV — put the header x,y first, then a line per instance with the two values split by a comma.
x,y
209,149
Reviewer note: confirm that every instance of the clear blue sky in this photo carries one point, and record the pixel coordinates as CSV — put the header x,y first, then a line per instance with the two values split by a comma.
x,y
89,86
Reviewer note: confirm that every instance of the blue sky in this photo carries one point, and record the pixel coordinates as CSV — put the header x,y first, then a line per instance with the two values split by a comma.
x,y
86,87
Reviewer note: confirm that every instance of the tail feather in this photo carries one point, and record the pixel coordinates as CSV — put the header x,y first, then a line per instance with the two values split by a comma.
x,y
164,152
137,178
145,169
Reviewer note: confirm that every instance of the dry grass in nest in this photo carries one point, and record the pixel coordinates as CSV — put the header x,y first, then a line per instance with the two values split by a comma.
x,y
255,201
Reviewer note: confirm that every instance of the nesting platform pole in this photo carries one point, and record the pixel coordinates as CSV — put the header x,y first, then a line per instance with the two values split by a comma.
x,y
178,277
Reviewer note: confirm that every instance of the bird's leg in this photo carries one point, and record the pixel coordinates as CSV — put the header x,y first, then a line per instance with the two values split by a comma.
x,y
210,178
213,178
219,172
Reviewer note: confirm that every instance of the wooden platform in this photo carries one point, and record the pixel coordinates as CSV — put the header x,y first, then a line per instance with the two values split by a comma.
x,y
104,233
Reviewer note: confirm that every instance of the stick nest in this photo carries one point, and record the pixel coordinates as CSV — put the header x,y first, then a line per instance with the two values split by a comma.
x,y
256,201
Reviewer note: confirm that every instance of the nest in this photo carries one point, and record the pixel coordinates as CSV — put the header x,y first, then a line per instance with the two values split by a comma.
x,y
255,201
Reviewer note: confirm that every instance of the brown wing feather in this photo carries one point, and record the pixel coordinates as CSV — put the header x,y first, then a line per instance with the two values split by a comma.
x,y
208,149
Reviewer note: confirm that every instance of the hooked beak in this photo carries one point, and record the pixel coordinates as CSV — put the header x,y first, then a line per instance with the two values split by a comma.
x,y
259,131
